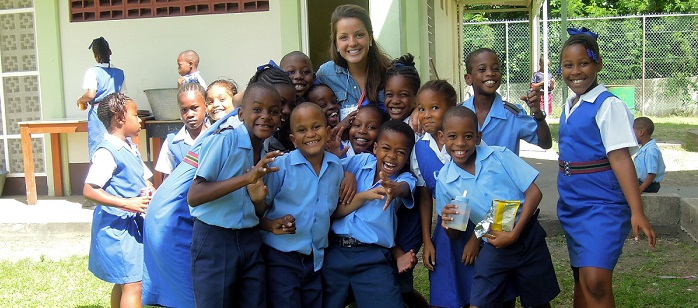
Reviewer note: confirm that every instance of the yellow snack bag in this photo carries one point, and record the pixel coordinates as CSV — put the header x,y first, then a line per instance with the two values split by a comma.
x,y
504,214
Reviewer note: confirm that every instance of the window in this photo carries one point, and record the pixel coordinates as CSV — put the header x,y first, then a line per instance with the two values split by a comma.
x,y
94,10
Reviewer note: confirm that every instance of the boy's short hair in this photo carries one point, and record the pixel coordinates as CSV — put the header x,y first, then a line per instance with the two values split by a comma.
x,y
297,53
113,106
399,127
309,105
469,59
644,123
259,85
315,86
384,116
461,112
442,87
191,56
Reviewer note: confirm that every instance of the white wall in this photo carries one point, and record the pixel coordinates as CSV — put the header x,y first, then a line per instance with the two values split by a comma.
x,y
386,19
229,45
446,41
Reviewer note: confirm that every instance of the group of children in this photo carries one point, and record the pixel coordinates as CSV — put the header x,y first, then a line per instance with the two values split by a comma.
x,y
288,200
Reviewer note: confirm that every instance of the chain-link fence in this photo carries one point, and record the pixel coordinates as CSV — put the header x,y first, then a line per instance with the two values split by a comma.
x,y
654,58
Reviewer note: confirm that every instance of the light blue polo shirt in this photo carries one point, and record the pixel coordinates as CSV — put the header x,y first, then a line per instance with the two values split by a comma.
x,y
310,198
226,154
344,87
649,160
369,223
499,174
504,128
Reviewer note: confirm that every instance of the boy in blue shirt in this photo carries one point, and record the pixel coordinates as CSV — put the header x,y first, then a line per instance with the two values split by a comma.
x,y
301,197
227,266
649,163
363,231
519,257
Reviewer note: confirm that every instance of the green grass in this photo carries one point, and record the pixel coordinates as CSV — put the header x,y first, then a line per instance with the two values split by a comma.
x,y
637,279
666,129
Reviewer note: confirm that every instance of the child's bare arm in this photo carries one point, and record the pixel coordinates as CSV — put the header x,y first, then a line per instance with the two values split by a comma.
x,y
358,201
426,210
394,189
624,169
502,239
98,195
281,225
471,250
648,180
545,139
347,189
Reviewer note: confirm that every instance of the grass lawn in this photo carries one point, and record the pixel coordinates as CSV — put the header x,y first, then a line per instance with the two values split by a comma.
x,y
638,280
667,129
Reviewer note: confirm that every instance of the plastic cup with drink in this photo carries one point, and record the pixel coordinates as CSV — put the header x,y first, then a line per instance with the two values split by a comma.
x,y
460,220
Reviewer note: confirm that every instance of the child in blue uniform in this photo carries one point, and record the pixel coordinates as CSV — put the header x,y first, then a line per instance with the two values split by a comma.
x,y
599,196
188,68
220,99
100,81
448,260
299,67
296,225
502,123
192,108
117,175
520,257
358,257
649,163
322,95
226,261
167,240
273,75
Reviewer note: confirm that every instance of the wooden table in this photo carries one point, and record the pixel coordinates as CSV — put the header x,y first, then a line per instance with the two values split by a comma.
x,y
156,131
54,128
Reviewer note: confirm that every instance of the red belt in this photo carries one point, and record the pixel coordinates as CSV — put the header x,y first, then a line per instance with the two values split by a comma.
x,y
569,168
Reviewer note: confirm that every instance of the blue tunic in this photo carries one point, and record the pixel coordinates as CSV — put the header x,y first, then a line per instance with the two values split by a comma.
x,y
109,80
590,202
178,148
167,241
116,246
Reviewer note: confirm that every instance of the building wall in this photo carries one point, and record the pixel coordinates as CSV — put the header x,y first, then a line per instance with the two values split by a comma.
x,y
447,63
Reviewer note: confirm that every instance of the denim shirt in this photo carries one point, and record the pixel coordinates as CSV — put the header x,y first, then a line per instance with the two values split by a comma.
x,y
345,87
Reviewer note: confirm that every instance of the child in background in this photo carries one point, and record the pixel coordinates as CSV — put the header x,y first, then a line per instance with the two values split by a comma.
x,y
296,225
219,99
273,75
192,109
519,257
167,276
322,95
363,131
299,67
502,123
188,68
363,231
599,196
401,86
449,261
649,163
114,182
538,82
101,80
226,261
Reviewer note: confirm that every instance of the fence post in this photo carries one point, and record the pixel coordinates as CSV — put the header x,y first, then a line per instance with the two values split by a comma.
x,y
644,36
506,43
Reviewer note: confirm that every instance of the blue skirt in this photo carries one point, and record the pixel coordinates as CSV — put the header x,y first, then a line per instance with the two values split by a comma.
x,y
451,280
116,245
95,130
167,243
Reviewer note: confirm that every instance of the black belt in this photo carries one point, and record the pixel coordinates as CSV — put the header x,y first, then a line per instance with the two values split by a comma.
x,y
348,241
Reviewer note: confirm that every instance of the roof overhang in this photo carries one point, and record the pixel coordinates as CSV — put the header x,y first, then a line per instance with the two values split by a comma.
x,y
501,5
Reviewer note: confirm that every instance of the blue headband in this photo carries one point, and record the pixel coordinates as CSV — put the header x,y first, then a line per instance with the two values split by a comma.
x,y
582,30
271,64
398,64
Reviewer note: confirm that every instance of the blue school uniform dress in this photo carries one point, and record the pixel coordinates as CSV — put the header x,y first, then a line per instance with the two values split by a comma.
x,y
108,80
506,124
592,209
358,257
167,279
451,280
525,264
173,150
649,160
116,246
345,88
227,265
293,261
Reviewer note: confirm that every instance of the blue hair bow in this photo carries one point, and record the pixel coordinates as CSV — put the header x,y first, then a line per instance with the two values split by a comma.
x,y
396,65
271,64
582,30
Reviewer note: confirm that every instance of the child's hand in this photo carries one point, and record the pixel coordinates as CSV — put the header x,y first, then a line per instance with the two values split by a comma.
x,y
257,191
532,99
500,239
180,81
334,143
374,194
429,255
348,119
283,225
392,189
261,169
471,251
347,189
406,261
414,123
639,222
446,212
136,204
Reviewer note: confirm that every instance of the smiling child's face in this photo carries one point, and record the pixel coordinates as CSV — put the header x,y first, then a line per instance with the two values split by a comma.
x,y
460,137
219,102
431,107
325,98
261,112
400,98
298,67
485,75
578,70
192,109
364,130
309,131
392,152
